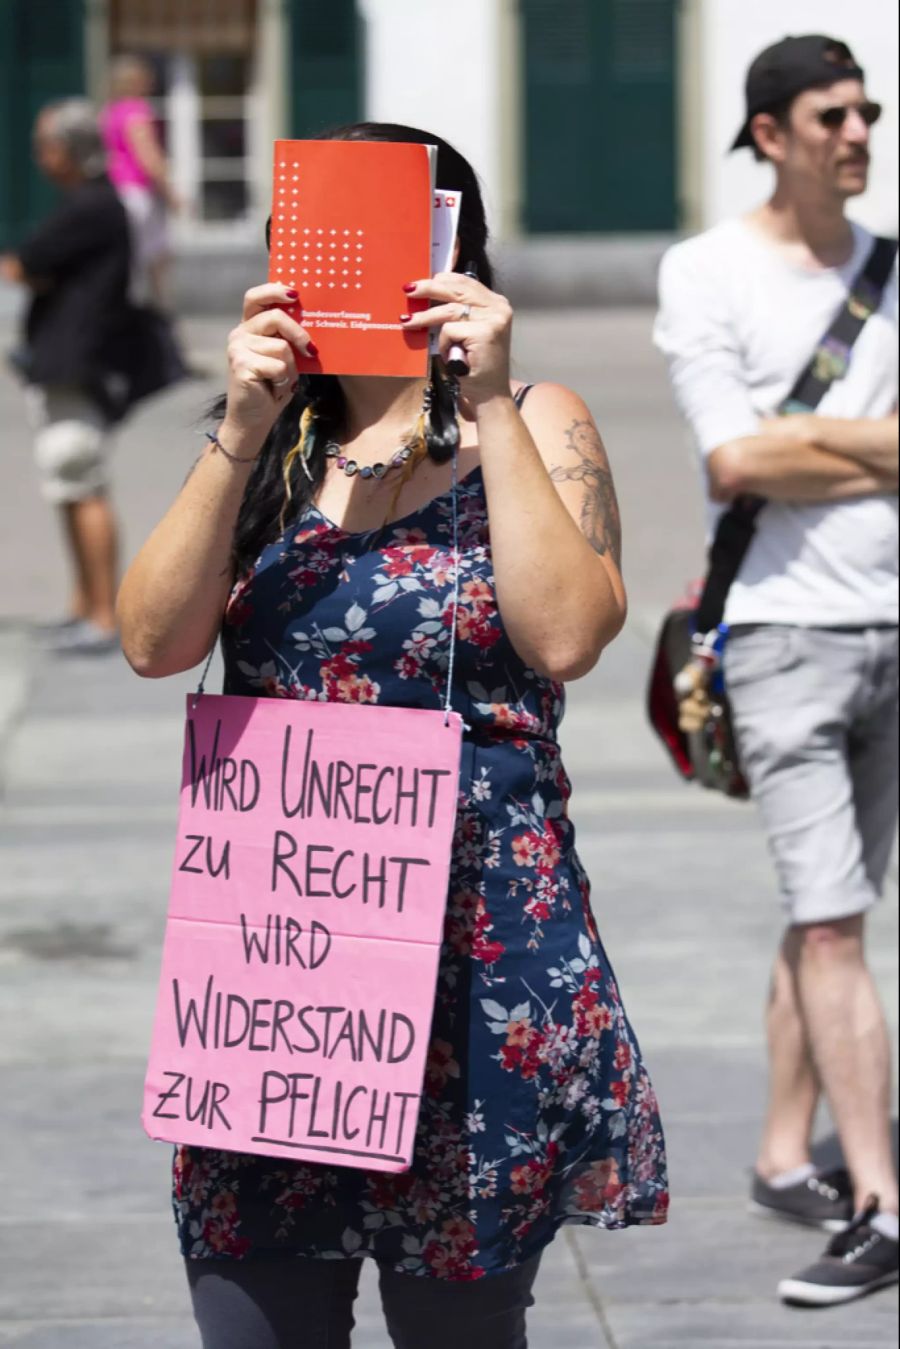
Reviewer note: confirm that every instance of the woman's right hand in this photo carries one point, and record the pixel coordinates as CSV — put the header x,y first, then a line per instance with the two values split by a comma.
x,y
263,351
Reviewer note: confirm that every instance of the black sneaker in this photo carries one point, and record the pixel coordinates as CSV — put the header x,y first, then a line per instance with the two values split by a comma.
x,y
857,1262
824,1201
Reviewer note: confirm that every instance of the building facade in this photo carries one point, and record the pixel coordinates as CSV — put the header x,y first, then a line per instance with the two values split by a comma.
x,y
583,117
717,52
565,106
231,76
612,117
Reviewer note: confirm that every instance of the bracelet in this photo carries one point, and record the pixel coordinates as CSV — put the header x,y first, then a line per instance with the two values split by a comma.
x,y
232,458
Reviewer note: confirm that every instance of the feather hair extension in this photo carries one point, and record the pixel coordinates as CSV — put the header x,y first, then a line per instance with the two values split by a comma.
x,y
303,451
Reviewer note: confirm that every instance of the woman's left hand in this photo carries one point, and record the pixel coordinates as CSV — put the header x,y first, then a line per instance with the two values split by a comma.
x,y
474,318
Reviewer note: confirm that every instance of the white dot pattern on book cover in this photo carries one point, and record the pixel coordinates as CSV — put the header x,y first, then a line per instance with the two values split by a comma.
x,y
313,258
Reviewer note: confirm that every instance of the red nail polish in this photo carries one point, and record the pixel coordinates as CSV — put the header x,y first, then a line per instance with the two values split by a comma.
x,y
406,318
312,350
410,289
292,294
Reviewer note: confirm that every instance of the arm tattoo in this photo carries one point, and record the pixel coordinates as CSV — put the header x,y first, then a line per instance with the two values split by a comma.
x,y
600,519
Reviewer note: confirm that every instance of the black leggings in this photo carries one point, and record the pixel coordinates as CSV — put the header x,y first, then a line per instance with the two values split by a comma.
x,y
291,1303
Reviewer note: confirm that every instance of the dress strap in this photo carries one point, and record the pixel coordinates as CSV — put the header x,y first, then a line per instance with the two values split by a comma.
x,y
522,394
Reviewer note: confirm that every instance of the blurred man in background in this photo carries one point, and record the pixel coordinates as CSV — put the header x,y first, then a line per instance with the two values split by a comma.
x,y
76,265
812,658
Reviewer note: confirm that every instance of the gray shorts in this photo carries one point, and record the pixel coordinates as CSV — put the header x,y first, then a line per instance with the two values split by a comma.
x,y
815,713
71,443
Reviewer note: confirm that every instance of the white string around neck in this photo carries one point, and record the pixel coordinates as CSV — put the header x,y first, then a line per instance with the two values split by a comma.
x,y
457,586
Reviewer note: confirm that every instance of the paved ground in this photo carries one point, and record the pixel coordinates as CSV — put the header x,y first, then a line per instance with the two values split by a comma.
x,y
89,757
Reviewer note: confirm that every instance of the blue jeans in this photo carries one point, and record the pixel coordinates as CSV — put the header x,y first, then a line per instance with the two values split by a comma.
x,y
292,1303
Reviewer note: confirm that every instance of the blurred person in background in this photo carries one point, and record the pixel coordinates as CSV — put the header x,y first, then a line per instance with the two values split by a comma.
x,y
811,663
76,265
138,170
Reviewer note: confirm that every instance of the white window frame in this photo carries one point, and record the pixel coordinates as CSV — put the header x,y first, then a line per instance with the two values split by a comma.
x,y
263,108
185,112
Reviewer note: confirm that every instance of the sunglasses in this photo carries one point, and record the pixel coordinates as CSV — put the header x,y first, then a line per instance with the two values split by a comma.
x,y
834,118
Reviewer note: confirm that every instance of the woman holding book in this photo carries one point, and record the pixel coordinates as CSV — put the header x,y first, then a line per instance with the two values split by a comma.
x,y
320,495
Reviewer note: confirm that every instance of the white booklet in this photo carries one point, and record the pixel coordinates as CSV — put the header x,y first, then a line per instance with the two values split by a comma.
x,y
444,229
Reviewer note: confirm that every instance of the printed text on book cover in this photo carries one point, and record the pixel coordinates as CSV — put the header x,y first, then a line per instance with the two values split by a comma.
x,y
351,225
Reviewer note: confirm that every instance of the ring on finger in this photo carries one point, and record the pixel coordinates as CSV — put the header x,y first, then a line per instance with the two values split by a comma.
x,y
281,383
466,313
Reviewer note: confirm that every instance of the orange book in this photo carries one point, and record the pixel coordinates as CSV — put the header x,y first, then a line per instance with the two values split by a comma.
x,y
351,225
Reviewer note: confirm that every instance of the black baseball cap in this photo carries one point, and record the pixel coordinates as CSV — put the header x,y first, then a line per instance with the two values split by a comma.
x,y
790,68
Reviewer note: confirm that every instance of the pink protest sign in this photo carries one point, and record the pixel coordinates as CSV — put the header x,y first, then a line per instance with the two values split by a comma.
x,y
304,929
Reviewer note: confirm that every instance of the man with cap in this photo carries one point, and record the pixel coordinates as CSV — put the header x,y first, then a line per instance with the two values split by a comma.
x,y
811,662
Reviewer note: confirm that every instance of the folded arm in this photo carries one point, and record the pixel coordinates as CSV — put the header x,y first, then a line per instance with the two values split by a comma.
x,y
808,459
798,458
782,468
874,442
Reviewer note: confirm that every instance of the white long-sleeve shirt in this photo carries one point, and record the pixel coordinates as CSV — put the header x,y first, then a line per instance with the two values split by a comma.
x,y
738,323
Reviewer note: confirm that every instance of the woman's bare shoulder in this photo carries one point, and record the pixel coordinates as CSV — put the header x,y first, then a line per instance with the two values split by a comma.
x,y
551,403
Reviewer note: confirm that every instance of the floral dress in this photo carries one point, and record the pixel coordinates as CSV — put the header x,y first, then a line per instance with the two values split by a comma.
x,y
537,1109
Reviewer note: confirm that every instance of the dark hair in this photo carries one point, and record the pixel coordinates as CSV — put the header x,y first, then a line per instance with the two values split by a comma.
x,y
782,113
267,495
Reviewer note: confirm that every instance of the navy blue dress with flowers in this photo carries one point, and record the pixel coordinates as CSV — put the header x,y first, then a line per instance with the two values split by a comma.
x,y
538,1110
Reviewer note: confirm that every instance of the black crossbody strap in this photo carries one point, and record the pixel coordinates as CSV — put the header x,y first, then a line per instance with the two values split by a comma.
x,y
734,535
830,363
832,358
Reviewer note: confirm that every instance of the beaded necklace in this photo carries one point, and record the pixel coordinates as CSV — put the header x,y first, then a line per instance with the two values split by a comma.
x,y
413,450
351,468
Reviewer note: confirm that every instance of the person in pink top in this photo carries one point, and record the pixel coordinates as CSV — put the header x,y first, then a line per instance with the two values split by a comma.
x,y
137,167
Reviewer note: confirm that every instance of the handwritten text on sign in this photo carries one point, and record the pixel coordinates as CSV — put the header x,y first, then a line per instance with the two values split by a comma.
x,y
305,923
